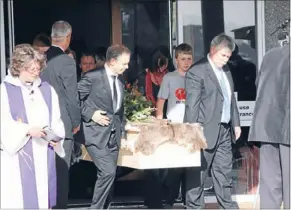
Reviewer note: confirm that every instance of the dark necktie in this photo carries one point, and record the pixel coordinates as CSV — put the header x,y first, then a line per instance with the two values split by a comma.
x,y
114,93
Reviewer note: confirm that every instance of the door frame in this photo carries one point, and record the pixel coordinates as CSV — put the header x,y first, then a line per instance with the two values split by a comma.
x,y
11,26
2,42
260,33
116,22
11,34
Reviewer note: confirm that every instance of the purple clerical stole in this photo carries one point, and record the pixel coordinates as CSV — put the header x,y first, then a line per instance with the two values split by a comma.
x,y
26,162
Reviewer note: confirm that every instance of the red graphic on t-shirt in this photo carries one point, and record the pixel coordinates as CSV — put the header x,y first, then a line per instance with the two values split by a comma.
x,y
180,94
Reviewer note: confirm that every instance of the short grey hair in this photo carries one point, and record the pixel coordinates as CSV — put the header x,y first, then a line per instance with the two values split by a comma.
x,y
60,30
223,41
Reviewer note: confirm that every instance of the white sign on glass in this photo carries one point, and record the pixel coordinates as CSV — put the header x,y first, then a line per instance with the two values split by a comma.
x,y
246,110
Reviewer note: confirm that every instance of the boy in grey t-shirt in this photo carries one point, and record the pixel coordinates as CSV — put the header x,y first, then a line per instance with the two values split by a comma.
x,y
173,86
173,90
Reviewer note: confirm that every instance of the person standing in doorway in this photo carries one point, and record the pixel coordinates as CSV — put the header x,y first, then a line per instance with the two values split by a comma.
x,y
160,63
210,101
28,105
87,62
41,43
62,75
270,128
101,94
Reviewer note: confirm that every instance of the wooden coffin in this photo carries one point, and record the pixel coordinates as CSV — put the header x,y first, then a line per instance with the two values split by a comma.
x,y
167,155
155,145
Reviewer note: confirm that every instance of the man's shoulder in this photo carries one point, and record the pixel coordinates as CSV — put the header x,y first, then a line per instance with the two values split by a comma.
x,y
61,58
54,52
61,63
276,59
95,73
276,52
202,62
99,70
171,74
199,66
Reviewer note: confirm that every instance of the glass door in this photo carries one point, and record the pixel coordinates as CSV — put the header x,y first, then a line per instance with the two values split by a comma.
x,y
189,26
197,23
145,26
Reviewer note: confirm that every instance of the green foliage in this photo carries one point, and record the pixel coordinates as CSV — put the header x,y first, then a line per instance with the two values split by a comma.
x,y
136,107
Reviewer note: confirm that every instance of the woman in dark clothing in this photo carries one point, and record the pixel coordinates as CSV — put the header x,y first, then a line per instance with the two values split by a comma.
x,y
164,51
154,79
160,64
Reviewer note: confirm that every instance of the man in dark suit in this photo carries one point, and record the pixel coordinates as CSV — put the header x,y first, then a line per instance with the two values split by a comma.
x,y
61,74
210,101
271,128
101,94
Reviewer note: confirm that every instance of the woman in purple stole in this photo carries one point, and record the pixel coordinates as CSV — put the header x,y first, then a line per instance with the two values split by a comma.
x,y
31,132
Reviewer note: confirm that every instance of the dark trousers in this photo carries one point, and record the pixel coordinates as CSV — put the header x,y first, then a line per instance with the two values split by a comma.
x,y
217,162
274,176
106,162
62,168
163,184
154,188
175,178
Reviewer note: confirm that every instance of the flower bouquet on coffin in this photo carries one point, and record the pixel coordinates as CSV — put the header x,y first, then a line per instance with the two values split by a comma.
x,y
153,143
136,106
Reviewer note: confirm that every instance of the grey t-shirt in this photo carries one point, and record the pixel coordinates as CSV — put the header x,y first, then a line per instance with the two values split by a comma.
x,y
173,89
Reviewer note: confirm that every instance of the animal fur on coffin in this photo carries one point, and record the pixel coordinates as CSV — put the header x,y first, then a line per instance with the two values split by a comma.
x,y
146,137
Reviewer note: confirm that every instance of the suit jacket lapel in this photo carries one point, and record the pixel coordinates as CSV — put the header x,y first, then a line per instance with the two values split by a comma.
x,y
229,77
213,77
107,88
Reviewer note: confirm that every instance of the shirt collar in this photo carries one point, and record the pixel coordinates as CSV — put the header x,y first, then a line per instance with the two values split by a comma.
x,y
109,71
214,67
58,47
16,81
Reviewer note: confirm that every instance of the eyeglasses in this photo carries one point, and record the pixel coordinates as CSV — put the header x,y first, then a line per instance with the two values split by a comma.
x,y
33,70
70,36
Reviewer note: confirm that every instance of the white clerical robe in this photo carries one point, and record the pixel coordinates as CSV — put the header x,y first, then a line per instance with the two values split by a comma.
x,y
13,138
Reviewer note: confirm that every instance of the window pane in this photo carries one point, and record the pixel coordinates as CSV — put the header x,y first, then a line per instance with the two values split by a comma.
x,y
190,26
145,26
243,68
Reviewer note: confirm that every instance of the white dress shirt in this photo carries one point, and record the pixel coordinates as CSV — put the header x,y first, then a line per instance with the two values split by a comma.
x,y
110,79
220,74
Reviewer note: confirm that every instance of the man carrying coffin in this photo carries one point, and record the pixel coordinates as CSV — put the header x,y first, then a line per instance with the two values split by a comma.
x,y
101,93
210,101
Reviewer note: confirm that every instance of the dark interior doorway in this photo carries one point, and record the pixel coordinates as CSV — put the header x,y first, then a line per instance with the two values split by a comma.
x,y
91,24
90,20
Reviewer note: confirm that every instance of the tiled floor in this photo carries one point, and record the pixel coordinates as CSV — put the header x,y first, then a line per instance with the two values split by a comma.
x,y
243,183
84,204
247,206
